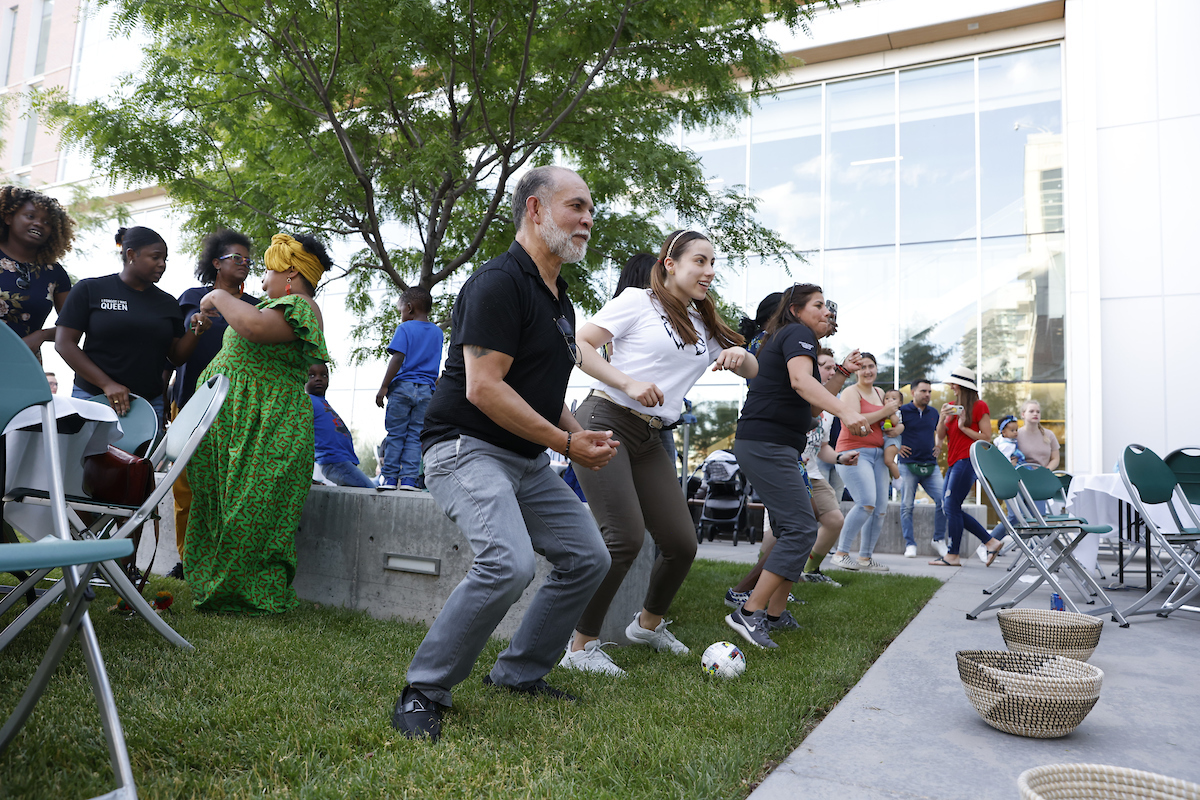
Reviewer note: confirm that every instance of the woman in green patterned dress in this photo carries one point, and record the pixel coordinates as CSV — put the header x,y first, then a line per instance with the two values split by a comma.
x,y
251,473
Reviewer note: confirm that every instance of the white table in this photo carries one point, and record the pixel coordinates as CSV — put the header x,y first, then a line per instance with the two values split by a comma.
x,y
1098,499
95,426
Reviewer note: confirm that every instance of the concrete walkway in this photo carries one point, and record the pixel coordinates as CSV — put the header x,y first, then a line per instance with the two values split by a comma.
x,y
907,729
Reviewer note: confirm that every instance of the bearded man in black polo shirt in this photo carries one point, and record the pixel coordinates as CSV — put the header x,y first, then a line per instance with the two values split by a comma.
x,y
498,406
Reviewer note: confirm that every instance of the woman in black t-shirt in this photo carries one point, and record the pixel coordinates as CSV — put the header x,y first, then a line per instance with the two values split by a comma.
x,y
769,442
131,326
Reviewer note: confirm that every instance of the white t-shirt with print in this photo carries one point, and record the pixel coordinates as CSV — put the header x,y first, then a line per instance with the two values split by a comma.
x,y
646,348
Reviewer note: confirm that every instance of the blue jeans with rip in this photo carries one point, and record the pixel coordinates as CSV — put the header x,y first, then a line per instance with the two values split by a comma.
x,y
934,486
404,419
868,482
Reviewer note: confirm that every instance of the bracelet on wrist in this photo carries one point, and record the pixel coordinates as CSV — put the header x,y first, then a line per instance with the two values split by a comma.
x,y
843,370
567,449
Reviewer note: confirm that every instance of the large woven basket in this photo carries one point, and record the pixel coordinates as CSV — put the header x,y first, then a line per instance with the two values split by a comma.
x,y
1050,633
1089,781
1030,695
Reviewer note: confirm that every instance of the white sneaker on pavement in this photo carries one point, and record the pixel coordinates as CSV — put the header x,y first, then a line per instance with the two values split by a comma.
x,y
591,658
843,562
871,565
981,553
910,551
660,638
941,547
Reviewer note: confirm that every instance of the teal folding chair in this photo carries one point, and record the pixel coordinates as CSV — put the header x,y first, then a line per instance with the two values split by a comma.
x,y
139,426
25,387
117,521
1185,463
1001,482
1150,482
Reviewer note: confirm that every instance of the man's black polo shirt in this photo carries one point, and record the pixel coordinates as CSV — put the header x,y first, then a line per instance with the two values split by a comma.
x,y
504,306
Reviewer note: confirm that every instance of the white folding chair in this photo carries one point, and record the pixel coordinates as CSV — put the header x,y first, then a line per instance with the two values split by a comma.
x,y
26,386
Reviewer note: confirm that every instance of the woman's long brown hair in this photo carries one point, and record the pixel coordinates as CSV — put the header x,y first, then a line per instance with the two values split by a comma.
x,y
676,311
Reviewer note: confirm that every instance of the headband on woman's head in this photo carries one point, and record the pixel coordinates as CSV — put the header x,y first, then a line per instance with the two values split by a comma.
x,y
671,246
286,253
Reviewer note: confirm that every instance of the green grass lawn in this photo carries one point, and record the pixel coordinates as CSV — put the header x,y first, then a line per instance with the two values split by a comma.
x,y
299,705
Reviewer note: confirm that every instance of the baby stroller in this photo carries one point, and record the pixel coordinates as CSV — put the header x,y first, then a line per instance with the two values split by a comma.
x,y
724,491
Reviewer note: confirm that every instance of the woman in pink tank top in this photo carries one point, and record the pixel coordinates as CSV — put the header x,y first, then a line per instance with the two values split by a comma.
x,y
867,478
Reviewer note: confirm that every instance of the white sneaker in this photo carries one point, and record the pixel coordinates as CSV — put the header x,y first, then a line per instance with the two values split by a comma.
x,y
941,547
981,553
871,565
843,562
910,551
660,638
591,658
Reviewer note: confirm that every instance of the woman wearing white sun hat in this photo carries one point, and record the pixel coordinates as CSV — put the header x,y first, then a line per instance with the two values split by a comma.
x,y
961,424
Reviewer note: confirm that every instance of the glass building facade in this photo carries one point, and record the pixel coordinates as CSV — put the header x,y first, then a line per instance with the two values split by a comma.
x,y
928,202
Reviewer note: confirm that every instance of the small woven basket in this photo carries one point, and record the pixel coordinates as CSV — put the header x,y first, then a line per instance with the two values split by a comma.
x,y
1043,697
1089,781
1050,633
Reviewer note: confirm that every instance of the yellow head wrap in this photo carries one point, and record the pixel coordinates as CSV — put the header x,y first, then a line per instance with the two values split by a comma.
x,y
286,253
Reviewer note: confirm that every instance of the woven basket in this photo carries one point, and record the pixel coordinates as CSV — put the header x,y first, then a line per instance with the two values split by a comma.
x,y
1088,781
1050,633
1030,695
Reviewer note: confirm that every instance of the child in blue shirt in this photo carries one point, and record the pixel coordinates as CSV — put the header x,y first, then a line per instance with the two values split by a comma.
x,y
1006,442
416,350
333,443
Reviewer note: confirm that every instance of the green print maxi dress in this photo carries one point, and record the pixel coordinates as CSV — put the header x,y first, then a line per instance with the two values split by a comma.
x,y
251,474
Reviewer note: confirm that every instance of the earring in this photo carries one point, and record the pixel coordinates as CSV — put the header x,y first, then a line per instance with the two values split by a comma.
x,y
289,287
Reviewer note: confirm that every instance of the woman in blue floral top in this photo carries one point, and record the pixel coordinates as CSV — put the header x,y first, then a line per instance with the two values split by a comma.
x,y
35,232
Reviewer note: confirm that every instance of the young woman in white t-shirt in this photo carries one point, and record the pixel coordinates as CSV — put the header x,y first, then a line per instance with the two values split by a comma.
x,y
663,339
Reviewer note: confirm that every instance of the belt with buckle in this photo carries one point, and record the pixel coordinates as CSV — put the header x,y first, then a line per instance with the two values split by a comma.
x,y
653,422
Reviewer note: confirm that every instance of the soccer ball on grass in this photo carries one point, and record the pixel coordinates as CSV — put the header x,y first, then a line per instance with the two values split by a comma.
x,y
723,659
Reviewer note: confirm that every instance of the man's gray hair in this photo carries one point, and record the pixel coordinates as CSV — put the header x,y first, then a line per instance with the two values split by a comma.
x,y
538,182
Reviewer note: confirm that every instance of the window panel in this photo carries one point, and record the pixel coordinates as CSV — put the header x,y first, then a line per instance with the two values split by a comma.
x,y
862,282
785,165
937,153
722,150
862,168
939,298
1020,138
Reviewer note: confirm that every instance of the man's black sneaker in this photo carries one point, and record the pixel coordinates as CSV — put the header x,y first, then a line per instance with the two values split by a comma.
x,y
752,627
539,689
176,571
416,716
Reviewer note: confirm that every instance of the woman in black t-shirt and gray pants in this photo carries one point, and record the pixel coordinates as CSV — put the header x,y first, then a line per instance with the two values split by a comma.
x,y
131,326
769,443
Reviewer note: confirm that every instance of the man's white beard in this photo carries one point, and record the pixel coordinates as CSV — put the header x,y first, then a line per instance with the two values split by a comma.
x,y
559,242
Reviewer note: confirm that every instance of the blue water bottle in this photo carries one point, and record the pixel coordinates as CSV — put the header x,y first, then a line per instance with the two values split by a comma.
x,y
1056,603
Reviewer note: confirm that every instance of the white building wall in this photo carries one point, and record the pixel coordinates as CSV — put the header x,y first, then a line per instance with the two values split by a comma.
x,y
1133,121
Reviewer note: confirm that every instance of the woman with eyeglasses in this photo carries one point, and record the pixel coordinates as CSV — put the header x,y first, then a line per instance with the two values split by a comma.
x,y
663,338
131,326
224,264
35,232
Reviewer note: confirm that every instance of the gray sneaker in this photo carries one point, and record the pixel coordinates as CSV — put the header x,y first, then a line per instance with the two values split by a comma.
x,y
591,658
751,627
660,638
844,562
816,576
871,565
786,622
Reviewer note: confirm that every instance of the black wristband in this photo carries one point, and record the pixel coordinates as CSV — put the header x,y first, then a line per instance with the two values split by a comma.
x,y
567,449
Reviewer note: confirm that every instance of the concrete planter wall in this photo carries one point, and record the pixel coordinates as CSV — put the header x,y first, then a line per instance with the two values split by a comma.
x,y
353,546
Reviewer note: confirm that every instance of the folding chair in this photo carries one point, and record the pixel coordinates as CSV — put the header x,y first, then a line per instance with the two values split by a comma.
x,y
1185,463
139,426
1150,481
26,386
118,521
1000,481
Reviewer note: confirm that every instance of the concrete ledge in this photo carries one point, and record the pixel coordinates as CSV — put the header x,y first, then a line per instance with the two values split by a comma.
x,y
346,536
891,540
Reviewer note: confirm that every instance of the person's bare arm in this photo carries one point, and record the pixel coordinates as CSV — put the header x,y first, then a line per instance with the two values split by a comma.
x,y
983,434
265,326
66,342
1054,453
738,360
393,369
487,391
592,337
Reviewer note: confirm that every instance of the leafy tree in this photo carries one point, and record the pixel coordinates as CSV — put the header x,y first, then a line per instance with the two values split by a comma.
x,y
404,123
